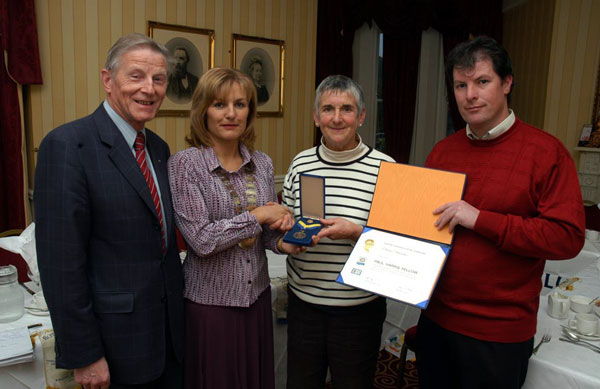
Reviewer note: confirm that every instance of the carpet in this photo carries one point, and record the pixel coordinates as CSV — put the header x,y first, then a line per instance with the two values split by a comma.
x,y
386,376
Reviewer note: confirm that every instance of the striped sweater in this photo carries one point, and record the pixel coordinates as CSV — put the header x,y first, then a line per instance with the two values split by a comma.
x,y
350,178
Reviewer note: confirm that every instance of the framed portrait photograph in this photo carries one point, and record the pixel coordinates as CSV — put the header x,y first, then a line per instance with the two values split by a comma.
x,y
193,54
262,60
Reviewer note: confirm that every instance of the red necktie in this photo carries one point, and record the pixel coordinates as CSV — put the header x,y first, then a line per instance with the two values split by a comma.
x,y
140,156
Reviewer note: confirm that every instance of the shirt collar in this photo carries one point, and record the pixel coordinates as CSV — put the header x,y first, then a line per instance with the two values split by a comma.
x,y
128,132
496,131
213,160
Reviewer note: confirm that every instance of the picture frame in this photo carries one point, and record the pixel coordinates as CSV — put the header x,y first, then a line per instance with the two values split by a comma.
x,y
262,60
584,138
193,52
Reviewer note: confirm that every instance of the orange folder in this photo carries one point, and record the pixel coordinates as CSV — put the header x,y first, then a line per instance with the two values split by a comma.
x,y
405,197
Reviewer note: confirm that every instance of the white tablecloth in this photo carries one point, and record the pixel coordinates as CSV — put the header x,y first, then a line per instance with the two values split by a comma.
x,y
556,365
30,374
559,364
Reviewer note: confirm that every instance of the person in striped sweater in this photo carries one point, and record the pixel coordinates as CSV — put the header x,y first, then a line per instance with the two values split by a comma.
x,y
330,324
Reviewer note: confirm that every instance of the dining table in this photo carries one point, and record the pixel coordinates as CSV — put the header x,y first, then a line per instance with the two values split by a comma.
x,y
559,364
28,374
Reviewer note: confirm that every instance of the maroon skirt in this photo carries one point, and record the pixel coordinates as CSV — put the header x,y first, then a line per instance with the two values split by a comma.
x,y
229,347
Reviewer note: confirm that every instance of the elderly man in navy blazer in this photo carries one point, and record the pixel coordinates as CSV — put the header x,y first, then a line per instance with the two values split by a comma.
x,y
105,234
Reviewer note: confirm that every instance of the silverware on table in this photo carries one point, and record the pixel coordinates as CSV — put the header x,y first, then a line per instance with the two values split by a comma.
x,y
586,345
545,339
31,292
574,336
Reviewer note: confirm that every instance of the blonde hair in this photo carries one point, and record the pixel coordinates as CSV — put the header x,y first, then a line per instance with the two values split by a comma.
x,y
213,84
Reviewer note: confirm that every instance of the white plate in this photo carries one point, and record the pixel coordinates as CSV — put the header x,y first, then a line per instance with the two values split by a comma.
x,y
586,337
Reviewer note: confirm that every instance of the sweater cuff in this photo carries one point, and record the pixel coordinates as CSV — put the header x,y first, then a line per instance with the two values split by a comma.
x,y
490,225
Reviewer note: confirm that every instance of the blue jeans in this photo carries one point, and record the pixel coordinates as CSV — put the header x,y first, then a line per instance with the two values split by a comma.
x,y
346,340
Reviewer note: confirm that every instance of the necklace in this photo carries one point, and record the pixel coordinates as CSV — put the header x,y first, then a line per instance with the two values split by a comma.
x,y
251,197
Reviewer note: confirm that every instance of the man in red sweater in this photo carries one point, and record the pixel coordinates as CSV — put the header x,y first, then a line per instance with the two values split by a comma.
x,y
522,205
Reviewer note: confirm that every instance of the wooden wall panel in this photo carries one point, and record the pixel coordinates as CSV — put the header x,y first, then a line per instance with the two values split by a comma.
x,y
75,36
523,25
554,46
572,69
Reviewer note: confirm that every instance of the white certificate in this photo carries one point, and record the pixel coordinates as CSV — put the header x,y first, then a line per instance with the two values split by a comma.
x,y
395,266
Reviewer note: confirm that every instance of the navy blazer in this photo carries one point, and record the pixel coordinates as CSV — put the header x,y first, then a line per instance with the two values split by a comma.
x,y
108,285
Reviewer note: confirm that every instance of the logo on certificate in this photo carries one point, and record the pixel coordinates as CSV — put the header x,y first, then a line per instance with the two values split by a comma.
x,y
369,243
361,261
356,271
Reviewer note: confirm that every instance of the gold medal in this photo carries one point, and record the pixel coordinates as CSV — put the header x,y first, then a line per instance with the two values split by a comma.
x,y
300,234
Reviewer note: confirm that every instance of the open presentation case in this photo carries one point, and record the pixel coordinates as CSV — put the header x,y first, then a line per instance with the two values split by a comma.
x,y
312,209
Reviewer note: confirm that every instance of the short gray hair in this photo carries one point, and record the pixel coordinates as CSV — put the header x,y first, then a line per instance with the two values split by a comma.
x,y
340,84
132,42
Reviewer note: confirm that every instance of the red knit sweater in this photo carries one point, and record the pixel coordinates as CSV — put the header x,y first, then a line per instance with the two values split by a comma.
x,y
526,187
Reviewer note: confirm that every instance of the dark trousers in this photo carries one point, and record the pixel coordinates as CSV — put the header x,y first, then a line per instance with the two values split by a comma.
x,y
346,340
446,359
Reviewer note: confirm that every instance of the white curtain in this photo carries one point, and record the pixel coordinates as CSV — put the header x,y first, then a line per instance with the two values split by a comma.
x,y
365,49
432,108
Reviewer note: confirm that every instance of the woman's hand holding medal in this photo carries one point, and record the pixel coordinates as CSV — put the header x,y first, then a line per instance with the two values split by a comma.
x,y
289,248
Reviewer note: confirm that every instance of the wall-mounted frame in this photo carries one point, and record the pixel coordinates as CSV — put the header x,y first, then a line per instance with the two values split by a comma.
x,y
262,60
586,133
193,52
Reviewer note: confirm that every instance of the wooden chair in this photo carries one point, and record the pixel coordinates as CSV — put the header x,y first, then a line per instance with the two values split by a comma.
x,y
8,258
13,232
410,343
